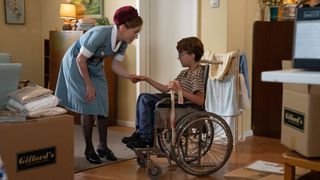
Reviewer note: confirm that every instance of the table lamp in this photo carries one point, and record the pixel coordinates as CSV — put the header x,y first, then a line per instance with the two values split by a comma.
x,y
68,13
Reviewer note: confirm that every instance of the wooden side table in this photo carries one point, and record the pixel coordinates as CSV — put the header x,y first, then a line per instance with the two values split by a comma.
x,y
293,159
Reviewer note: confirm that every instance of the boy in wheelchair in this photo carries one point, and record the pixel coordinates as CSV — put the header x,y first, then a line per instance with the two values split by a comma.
x,y
191,80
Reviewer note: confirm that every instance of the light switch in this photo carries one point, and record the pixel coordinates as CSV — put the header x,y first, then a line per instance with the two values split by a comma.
x,y
214,3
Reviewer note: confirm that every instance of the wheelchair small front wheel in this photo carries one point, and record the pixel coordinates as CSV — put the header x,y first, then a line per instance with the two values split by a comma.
x,y
141,162
154,172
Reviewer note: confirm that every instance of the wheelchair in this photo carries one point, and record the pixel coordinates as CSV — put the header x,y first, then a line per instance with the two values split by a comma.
x,y
202,144
202,141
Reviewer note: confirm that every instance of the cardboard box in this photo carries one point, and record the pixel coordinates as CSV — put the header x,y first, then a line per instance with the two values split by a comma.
x,y
39,149
248,174
300,112
244,174
300,123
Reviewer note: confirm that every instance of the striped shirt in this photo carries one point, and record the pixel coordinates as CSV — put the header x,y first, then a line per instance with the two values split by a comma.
x,y
192,81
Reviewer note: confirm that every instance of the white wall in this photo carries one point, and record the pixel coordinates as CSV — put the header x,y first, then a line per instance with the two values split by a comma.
x,y
213,25
169,22
24,42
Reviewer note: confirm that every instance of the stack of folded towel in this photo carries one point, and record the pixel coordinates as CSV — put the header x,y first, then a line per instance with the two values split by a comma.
x,y
35,101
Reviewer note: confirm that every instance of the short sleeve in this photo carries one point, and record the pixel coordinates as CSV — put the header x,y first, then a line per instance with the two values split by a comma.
x,y
92,40
121,52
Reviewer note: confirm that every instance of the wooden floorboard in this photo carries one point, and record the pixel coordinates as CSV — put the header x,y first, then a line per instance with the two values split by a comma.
x,y
253,148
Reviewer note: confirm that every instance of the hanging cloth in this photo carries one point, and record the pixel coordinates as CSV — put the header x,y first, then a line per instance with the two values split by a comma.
x,y
172,112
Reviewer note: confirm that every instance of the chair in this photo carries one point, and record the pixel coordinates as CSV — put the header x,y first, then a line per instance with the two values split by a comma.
x,y
9,78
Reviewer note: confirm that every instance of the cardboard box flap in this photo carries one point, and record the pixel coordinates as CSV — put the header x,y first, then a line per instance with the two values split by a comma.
x,y
272,171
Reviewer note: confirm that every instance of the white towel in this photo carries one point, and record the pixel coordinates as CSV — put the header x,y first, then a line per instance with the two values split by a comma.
x,y
52,111
45,102
221,97
216,70
29,93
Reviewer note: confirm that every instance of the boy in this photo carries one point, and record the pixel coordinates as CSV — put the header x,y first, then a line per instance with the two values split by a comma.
x,y
191,80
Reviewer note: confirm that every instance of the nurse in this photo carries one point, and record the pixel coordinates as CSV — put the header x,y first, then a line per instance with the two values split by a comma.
x,y
82,86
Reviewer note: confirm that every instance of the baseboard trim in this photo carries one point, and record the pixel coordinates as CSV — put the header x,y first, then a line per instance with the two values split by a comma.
x,y
244,135
125,123
248,133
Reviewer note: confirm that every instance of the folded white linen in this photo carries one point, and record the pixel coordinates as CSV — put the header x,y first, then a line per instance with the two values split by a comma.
x,y
45,102
53,111
29,93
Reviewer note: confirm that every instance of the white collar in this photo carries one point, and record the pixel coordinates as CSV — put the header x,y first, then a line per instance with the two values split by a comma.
x,y
114,46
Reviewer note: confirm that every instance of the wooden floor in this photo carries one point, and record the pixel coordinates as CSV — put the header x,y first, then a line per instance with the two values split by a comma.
x,y
253,148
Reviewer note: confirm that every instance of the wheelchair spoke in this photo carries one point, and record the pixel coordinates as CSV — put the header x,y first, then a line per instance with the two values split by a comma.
x,y
204,144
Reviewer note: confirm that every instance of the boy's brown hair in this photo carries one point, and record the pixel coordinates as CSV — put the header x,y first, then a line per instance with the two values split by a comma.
x,y
191,45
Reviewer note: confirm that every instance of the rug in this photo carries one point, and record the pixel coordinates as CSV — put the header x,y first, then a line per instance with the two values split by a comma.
x,y
114,143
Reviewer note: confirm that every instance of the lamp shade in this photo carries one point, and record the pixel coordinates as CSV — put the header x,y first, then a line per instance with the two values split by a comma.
x,y
67,11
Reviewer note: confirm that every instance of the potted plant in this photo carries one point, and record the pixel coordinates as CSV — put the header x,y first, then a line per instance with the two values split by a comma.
x,y
102,21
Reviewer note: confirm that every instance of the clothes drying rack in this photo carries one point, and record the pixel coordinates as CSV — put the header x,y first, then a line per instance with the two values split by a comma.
x,y
233,69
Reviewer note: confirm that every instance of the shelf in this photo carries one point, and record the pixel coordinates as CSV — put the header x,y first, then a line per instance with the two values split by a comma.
x,y
298,76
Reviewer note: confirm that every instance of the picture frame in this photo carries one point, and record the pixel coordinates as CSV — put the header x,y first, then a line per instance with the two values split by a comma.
x,y
89,9
14,11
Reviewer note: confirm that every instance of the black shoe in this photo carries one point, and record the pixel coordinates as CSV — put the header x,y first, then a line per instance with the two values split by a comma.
x,y
125,140
92,157
107,153
139,143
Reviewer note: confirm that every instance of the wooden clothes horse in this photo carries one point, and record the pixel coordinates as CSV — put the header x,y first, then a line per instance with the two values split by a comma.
x,y
232,68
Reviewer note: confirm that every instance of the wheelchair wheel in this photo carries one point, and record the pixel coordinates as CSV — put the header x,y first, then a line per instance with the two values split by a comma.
x,y
153,172
164,140
141,162
164,134
204,143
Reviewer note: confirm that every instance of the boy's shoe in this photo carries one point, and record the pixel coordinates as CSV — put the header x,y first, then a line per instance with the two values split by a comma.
x,y
139,143
134,136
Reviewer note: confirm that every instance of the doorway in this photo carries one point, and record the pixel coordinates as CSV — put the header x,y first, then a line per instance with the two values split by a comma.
x,y
165,23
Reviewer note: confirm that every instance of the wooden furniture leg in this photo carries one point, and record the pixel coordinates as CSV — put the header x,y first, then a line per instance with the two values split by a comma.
x,y
293,160
289,172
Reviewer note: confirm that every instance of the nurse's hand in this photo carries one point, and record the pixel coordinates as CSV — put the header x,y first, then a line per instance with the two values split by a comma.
x,y
134,78
143,78
90,94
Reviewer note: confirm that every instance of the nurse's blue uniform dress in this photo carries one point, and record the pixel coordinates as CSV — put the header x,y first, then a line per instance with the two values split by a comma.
x,y
99,41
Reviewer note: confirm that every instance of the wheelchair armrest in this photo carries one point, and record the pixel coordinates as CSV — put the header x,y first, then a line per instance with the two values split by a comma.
x,y
166,103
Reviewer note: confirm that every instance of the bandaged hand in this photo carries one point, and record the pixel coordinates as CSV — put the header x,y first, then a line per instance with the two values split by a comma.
x,y
173,86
